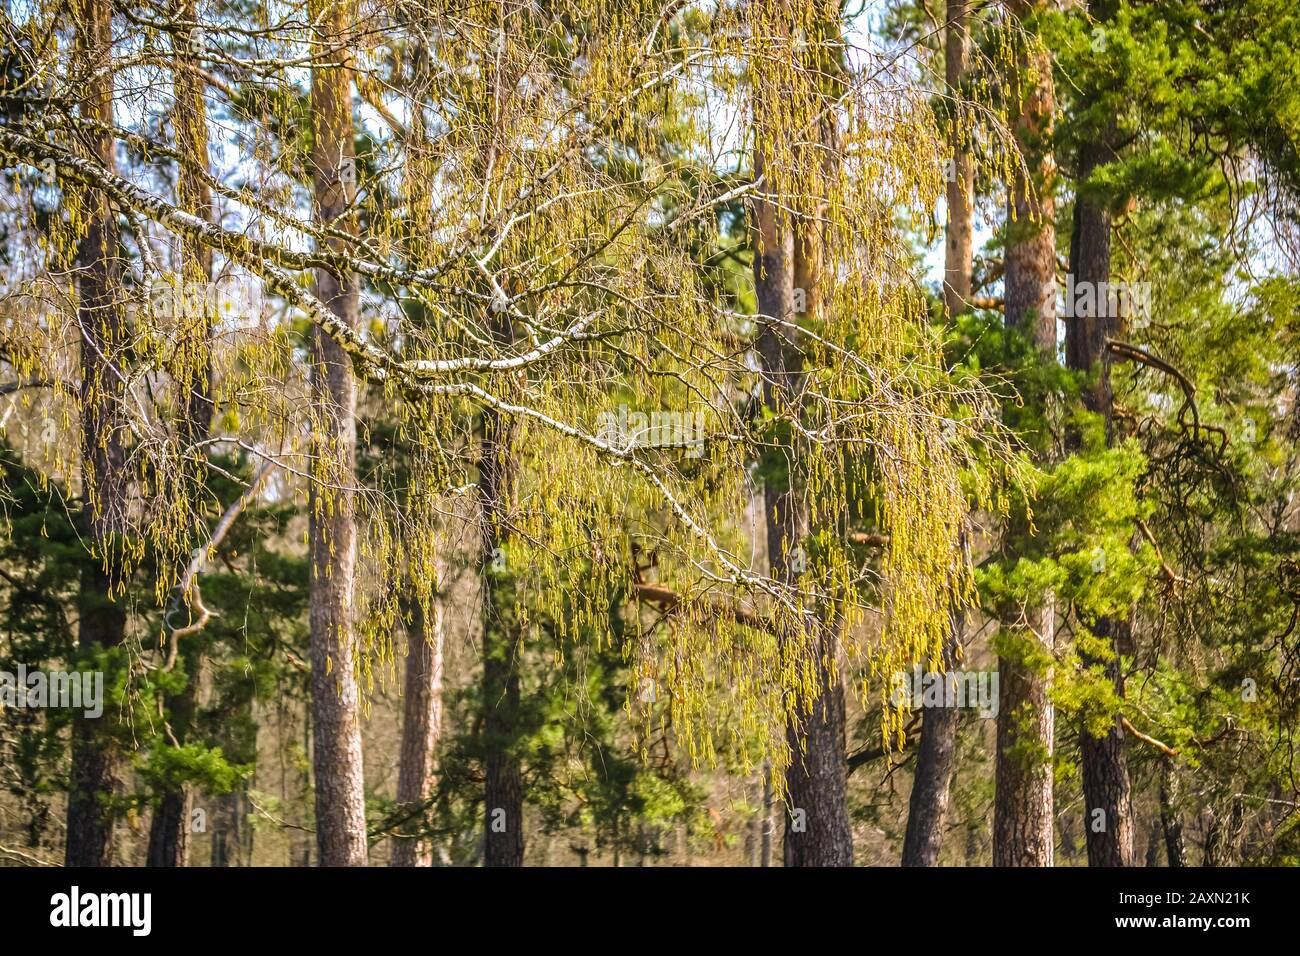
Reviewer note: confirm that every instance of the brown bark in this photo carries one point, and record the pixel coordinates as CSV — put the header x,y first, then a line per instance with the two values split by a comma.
x,y
817,831
789,255
937,750
959,241
1023,832
1223,830
1106,785
421,725
232,834
1170,815
1029,275
935,759
502,644
169,829
1086,329
102,622
336,751
817,784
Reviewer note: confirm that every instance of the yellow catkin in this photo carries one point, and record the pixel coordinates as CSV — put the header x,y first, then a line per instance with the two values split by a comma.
x,y
525,151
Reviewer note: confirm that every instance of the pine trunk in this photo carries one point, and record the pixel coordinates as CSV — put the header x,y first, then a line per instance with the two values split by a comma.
x,y
1106,786
937,752
502,644
959,242
936,757
1170,817
102,621
340,785
421,726
1023,831
169,830
817,831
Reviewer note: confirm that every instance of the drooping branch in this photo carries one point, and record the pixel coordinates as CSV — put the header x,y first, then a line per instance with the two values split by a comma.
x,y
1172,576
1142,357
270,261
188,590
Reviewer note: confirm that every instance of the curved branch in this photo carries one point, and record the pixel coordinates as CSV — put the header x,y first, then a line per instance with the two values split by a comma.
x,y
1142,357
188,588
